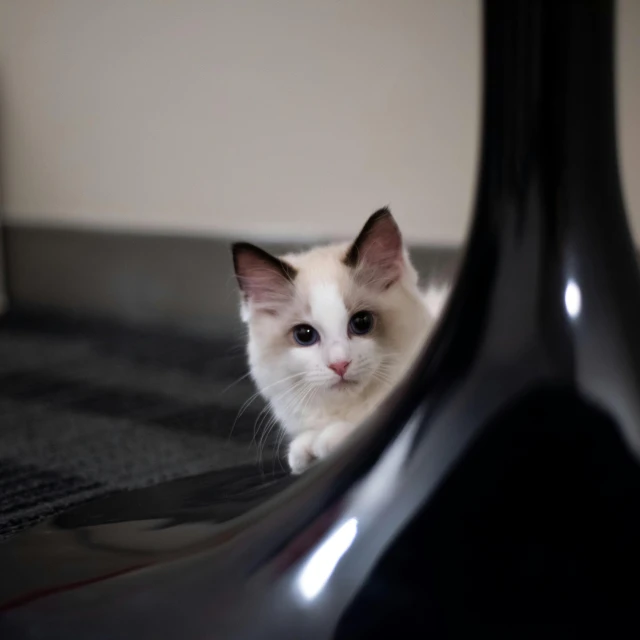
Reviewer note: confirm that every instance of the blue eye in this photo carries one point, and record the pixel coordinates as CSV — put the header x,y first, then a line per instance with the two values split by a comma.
x,y
305,335
361,323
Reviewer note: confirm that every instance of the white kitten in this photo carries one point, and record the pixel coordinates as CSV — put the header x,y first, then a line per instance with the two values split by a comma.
x,y
331,331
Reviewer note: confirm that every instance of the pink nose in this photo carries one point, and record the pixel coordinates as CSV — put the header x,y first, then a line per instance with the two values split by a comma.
x,y
340,367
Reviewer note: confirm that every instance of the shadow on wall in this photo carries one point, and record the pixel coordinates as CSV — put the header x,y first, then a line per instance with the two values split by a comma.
x,y
148,279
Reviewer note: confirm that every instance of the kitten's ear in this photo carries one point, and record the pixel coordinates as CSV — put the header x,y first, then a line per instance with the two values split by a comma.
x,y
378,252
264,279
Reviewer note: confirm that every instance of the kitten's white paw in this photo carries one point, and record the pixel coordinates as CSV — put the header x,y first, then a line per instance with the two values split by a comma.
x,y
330,438
301,455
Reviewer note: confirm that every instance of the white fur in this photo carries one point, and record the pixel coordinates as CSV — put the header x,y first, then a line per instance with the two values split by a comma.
x,y
307,398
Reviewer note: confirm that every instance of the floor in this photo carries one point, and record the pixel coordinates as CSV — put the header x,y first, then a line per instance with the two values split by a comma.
x,y
88,408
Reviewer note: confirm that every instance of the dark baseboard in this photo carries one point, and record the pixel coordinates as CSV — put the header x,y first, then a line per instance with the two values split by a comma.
x,y
3,271
176,281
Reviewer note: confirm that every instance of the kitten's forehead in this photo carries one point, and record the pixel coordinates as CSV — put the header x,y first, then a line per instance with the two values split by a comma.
x,y
320,266
323,281
327,306
328,257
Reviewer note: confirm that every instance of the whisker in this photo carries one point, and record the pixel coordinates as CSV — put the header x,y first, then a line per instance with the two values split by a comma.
x,y
267,427
302,404
278,458
258,422
235,382
253,397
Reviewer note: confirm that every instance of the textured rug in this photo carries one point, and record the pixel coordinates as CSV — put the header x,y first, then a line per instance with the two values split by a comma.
x,y
88,408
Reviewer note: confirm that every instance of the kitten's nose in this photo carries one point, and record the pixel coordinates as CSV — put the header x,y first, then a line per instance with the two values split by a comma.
x,y
340,367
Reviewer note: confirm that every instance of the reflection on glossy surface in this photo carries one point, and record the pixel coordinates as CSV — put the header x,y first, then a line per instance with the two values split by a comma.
x,y
573,299
317,571
496,491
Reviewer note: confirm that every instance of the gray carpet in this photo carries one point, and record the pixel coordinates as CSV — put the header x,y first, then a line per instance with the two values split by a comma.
x,y
88,408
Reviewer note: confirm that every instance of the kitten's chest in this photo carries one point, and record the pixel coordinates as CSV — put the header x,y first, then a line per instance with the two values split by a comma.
x,y
348,409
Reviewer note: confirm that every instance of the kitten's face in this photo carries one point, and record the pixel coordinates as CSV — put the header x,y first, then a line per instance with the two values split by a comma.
x,y
327,322
329,335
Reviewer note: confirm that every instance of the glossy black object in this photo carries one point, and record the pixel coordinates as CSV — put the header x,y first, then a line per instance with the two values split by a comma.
x,y
498,489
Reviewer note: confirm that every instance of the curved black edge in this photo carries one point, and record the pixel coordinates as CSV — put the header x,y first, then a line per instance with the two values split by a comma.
x,y
519,422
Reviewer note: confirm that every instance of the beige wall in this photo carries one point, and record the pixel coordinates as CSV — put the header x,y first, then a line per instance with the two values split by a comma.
x,y
286,118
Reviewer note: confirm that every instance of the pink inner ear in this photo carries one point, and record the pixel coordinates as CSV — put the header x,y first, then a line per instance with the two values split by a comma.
x,y
262,278
380,253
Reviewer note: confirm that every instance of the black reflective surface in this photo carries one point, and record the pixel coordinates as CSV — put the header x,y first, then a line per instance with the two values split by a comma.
x,y
496,490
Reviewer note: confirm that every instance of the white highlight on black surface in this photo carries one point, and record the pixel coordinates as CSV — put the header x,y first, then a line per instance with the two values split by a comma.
x,y
320,566
573,299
